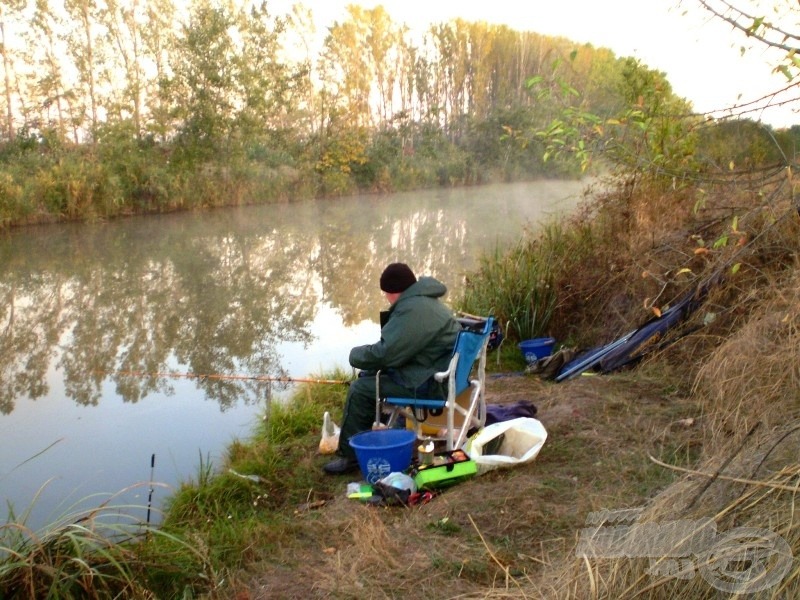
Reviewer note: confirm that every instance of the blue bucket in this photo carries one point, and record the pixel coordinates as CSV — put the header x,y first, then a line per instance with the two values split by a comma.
x,y
383,451
536,348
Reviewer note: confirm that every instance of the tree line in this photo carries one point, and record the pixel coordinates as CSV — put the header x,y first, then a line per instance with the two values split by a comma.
x,y
114,107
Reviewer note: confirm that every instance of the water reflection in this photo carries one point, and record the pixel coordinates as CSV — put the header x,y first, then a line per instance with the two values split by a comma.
x,y
141,295
217,293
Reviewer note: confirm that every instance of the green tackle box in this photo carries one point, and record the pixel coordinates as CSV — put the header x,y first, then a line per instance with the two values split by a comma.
x,y
448,468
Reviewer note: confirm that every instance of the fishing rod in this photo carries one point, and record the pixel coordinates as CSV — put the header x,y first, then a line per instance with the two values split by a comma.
x,y
150,495
276,379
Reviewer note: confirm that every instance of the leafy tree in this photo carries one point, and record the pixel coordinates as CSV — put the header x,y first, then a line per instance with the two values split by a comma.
x,y
451,72
383,41
159,37
202,89
49,92
124,31
652,133
269,88
10,10
732,145
345,70
300,26
649,134
82,44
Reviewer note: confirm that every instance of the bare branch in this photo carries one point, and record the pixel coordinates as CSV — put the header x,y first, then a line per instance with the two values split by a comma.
x,y
750,26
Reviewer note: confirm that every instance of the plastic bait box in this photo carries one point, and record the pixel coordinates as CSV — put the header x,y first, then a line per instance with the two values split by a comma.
x,y
448,468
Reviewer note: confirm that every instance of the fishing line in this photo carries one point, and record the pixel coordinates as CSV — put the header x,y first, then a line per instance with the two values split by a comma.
x,y
277,379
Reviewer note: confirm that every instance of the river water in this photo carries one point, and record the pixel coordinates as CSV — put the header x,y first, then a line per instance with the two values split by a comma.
x,y
96,321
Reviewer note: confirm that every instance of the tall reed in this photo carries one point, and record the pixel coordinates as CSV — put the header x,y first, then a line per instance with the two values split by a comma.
x,y
519,284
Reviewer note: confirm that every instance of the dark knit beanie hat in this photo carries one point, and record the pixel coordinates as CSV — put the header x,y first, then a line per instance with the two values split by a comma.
x,y
396,278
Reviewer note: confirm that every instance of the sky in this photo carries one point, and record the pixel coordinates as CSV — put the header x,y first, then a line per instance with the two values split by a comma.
x,y
700,55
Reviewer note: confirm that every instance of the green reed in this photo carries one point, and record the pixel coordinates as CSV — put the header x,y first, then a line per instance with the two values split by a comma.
x,y
519,284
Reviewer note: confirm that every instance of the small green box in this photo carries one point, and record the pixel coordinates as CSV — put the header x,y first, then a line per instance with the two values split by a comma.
x,y
448,468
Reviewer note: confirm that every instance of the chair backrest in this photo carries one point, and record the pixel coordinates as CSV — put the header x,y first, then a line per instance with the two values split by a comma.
x,y
469,345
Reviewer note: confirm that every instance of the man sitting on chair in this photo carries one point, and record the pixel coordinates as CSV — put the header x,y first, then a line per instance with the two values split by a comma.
x,y
418,333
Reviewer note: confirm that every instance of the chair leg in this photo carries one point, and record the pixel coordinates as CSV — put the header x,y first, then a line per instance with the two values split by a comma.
x,y
396,412
377,424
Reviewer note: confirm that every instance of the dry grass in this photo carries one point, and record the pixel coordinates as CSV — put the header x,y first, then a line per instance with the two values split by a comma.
x,y
750,492
754,376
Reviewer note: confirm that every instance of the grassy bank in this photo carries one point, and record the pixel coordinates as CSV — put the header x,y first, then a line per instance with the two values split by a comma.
x,y
701,425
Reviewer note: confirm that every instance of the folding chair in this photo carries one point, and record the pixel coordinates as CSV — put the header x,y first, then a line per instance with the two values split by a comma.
x,y
469,354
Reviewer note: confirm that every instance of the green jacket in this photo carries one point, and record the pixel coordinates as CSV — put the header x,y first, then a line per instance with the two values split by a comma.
x,y
417,339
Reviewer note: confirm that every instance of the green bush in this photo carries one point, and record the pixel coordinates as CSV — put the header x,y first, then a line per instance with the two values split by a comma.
x,y
12,203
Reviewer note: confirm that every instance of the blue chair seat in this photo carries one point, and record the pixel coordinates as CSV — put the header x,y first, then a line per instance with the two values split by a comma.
x,y
417,402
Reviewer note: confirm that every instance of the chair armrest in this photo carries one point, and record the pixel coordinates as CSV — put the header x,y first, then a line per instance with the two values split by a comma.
x,y
445,375
441,376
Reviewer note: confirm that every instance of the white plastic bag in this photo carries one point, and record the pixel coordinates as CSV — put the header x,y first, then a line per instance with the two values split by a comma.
x,y
523,437
329,441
